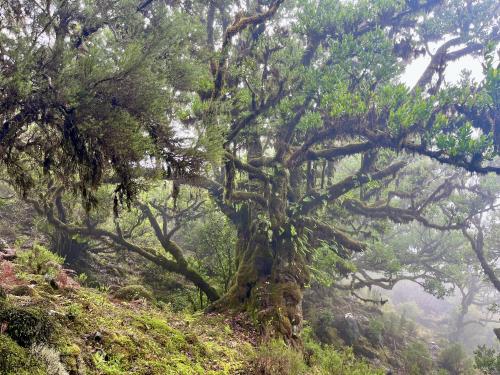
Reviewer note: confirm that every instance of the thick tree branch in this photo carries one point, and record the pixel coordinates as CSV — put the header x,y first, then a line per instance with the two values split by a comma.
x,y
328,233
477,245
312,201
239,24
151,255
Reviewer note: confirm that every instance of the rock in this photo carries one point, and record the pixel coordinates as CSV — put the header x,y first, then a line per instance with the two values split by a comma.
x,y
98,337
52,282
8,253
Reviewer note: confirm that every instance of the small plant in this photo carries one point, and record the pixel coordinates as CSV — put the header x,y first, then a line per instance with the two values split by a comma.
x,y
74,311
41,261
82,278
108,366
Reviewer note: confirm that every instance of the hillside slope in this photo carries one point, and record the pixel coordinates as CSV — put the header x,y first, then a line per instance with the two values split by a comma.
x,y
50,324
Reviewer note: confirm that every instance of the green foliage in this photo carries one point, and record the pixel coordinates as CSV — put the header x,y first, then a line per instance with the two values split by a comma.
x,y
108,366
213,241
487,360
276,358
454,360
40,260
328,264
327,360
417,359
376,328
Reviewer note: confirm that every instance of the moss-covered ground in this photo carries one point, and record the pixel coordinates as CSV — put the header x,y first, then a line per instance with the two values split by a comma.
x,y
49,324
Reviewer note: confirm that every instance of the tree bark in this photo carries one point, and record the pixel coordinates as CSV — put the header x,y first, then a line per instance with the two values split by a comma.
x,y
269,284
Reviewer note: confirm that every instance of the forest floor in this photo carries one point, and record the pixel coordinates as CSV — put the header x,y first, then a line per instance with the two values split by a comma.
x,y
93,332
52,325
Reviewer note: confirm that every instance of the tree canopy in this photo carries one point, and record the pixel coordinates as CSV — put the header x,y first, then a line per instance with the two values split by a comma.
x,y
290,116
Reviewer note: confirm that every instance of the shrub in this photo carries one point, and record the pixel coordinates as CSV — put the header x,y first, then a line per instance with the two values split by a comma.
x,y
454,360
334,362
327,360
41,261
375,331
417,359
487,360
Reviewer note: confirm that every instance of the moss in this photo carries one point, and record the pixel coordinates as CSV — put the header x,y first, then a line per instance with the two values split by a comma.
x,y
22,290
136,338
132,293
26,326
15,360
71,349
109,365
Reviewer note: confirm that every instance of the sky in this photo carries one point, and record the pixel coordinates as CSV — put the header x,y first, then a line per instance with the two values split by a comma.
x,y
452,72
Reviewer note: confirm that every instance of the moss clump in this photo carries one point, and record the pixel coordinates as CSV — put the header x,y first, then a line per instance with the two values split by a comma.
x,y
15,360
22,290
132,293
26,326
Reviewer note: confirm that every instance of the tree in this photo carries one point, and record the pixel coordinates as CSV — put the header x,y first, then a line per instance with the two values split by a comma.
x,y
156,245
296,90
86,90
320,91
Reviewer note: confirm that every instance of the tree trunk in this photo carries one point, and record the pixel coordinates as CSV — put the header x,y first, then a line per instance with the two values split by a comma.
x,y
269,283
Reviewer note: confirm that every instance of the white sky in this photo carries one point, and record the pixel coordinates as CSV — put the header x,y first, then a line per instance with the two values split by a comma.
x,y
452,72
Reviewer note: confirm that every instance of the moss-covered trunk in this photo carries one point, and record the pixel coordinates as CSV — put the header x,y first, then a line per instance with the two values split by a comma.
x,y
269,283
